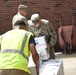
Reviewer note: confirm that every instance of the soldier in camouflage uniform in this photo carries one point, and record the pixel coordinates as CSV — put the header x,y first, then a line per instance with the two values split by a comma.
x,y
41,27
21,15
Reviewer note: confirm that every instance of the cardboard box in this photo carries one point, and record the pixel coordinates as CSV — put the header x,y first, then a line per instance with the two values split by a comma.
x,y
41,46
40,58
49,67
32,66
41,42
44,54
52,67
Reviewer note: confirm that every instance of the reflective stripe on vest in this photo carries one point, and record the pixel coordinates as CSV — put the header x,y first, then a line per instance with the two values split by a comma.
x,y
18,51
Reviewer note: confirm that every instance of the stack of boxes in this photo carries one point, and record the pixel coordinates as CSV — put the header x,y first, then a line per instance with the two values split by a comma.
x,y
48,67
32,66
52,67
41,46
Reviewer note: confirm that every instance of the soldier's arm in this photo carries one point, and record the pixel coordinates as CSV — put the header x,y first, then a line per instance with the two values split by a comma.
x,y
52,33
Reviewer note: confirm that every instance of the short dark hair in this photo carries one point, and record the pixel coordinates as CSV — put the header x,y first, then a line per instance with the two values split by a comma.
x,y
19,23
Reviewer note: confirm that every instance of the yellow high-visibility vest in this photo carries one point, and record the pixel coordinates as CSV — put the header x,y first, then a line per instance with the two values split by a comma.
x,y
0,42
15,50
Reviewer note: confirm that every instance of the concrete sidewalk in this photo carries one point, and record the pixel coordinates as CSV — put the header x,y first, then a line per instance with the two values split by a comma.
x,y
69,63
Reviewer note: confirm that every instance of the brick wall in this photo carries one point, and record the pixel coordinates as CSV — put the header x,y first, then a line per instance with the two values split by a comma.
x,y
48,9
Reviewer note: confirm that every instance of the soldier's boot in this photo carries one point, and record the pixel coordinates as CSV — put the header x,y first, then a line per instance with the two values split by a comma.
x,y
52,55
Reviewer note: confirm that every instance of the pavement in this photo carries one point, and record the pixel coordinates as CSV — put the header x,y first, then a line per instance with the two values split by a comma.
x,y
69,63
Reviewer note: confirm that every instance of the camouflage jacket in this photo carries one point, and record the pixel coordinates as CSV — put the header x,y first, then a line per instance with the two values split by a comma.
x,y
18,16
45,29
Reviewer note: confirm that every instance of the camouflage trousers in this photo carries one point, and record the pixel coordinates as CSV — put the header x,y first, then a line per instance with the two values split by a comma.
x,y
52,53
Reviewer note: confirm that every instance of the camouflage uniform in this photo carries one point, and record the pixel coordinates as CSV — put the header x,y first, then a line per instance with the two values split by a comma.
x,y
46,29
19,16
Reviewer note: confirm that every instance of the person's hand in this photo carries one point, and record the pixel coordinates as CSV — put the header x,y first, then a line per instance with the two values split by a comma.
x,y
48,47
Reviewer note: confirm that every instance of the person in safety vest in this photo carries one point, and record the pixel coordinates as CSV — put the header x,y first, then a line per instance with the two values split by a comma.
x,y
16,47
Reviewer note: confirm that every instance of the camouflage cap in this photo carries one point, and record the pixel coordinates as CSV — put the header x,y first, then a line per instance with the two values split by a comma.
x,y
35,18
23,7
